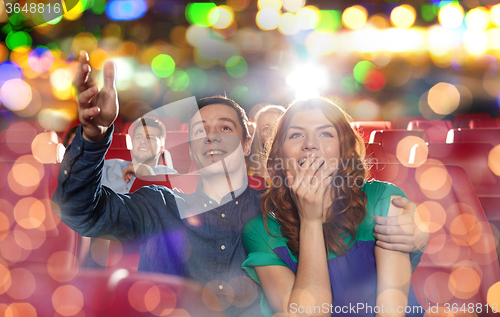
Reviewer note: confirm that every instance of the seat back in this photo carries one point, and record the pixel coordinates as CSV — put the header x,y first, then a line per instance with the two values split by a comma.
x,y
459,263
401,122
462,120
436,130
491,136
121,141
31,229
484,123
365,128
396,142
375,153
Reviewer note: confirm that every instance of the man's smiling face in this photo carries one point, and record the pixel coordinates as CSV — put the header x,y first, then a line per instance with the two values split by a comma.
x,y
215,134
145,149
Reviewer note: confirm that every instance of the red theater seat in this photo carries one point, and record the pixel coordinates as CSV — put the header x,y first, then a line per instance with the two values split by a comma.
x,y
32,231
171,124
391,141
177,144
365,128
38,292
491,136
461,247
462,120
484,123
402,121
122,154
375,153
436,130
121,141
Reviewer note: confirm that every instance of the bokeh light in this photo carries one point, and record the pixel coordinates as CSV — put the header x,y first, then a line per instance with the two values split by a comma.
x,y
493,297
403,16
67,300
55,120
443,98
434,181
23,284
221,17
274,4
477,19
268,19
308,17
451,15
163,65
464,282
62,81
30,212
8,71
62,266
293,5
236,67
197,13
330,20
179,80
430,216
84,42
494,160
405,147
475,42
45,147
16,40
41,60
355,17
126,10
16,94
495,14
289,24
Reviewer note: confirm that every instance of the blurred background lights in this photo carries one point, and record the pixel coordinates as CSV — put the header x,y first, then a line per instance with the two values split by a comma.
x,y
308,80
403,16
288,24
355,17
179,80
267,19
330,20
52,119
477,19
19,39
163,65
16,94
221,17
76,12
236,67
443,98
8,71
308,17
62,81
495,14
125,10
293,5
275,4
451,15
41,60
124,72
197,13
475,42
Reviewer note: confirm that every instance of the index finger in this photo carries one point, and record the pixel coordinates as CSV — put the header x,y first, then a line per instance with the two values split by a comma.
x,y
82,79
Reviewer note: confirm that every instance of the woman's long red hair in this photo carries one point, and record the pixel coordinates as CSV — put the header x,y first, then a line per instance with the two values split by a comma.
x,y
348,208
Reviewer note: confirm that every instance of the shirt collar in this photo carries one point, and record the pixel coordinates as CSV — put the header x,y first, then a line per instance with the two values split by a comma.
x,y
237,194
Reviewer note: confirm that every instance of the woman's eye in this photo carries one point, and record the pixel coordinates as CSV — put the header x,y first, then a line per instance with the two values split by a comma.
x,y
327,134
295,135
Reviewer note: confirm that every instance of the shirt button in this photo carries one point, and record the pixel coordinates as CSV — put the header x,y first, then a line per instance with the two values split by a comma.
x,y
210,202
236,202
78,148
221,287
65,172
222,247
223,215
205,205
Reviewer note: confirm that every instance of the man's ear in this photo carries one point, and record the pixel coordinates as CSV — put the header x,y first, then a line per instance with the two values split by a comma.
x,y
247,146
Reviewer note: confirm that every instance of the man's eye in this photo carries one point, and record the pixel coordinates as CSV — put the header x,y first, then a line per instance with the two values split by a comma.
x,y
199,131
226,128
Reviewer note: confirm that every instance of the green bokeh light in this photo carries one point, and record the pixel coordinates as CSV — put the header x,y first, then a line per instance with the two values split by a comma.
x,y
7,28
198,78
350,85
236,67
197,13
18,39
163,65
179,80
17,18
239,93
330,20
429,12
361,69
98,6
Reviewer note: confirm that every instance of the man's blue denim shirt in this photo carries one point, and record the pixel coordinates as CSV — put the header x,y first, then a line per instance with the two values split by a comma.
x,y
207,248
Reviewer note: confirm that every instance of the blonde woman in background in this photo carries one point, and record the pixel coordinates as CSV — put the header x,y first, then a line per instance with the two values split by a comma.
x,y
266,118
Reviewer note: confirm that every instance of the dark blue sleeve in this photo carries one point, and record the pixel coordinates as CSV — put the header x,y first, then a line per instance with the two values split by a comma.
x,y
95,210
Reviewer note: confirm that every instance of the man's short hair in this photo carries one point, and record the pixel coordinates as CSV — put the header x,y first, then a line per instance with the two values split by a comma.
x,y
219,99
151,122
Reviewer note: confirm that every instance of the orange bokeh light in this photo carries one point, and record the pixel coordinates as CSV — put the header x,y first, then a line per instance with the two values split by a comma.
x,y
464,282
436,287
67,300
23,284
430,216
20,310
434,181
167,302
25,176
29,239
137,296
465,229
44,147
494,160
493,297
404,149
62,266
30,213
5,277
11,251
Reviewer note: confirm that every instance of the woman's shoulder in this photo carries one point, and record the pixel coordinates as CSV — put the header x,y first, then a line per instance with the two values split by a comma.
x,y
256,225
375,189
